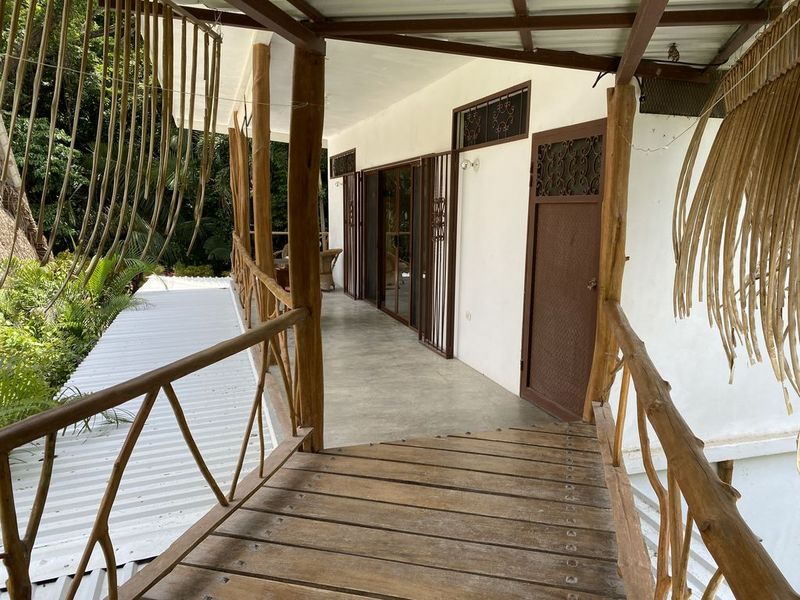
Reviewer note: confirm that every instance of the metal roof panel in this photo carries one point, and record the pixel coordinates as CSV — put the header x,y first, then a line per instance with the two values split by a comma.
x,y
162,492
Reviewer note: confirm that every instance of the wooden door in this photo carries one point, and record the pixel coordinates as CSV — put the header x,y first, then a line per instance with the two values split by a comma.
x,y
562,267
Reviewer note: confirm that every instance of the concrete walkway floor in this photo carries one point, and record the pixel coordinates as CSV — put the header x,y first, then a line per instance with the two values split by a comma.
x,y
381,384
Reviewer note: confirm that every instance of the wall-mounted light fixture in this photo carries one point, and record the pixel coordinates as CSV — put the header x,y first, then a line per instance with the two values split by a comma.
x,y
466,164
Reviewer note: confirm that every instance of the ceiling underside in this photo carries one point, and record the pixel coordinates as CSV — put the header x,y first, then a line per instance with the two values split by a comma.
x,y
696,44
685,40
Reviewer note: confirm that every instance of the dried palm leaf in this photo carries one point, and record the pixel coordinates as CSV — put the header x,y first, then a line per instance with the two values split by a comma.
x,y
738,240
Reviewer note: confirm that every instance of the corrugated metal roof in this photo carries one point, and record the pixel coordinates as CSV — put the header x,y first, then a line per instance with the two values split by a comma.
x,y
369,9
696,44
162,492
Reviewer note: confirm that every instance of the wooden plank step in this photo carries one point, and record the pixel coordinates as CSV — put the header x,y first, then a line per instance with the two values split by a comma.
x,y
357,574
582,463
508,507
537,438
571,428
195,583
463,460
576,574
438,523
452,478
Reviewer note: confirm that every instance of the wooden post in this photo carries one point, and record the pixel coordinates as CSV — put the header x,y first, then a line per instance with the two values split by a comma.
x,y
238,148
262,200
617,162
305,147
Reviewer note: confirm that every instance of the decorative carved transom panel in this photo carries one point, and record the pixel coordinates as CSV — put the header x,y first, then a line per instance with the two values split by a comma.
x,y
570,168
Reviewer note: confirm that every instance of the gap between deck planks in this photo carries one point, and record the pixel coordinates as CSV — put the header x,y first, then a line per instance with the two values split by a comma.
x,y
425,519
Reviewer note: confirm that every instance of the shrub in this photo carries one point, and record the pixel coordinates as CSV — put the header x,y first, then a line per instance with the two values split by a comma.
x,y
193,270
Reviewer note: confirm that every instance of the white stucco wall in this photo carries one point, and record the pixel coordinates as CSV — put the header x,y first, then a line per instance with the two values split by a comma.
x,y
770,487
493,208
493,202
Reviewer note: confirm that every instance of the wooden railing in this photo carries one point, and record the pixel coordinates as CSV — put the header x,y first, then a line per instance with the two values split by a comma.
x,y
710,500
271,300
17,548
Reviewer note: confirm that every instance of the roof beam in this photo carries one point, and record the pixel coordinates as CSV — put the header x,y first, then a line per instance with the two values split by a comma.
x,y
613,20
308,10
772,8
521,8
273,18
539,56
647,19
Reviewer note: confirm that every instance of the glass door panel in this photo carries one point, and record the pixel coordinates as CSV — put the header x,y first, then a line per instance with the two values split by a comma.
x,y
397,218
390,193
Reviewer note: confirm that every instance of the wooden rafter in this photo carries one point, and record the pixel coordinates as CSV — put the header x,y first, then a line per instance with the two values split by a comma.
x,y
611,20
647,19
540,56
273,18
521,9
771,8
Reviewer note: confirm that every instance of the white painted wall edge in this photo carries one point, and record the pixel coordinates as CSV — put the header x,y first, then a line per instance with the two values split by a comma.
x,y
731,449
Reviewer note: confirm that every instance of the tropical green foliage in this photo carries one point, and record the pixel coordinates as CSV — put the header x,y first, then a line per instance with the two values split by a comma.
x,y
183,270
39,348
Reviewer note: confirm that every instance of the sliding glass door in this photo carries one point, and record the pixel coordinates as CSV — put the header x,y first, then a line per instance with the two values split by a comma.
x,y
398,190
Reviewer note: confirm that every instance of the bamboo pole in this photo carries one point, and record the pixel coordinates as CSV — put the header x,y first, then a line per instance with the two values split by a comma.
x,y
137,58
62,44
616,167
305,147
123,126
141,174
76,117
243,183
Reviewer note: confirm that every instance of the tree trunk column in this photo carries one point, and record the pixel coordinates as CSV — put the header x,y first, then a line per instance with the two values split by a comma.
x,y
617,162
262,201
305,147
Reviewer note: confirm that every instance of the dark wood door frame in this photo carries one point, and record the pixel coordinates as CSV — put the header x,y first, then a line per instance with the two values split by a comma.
x,y
590,128
381,237
353,219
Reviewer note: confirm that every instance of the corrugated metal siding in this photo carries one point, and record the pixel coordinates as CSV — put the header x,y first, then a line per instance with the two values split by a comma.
x,y
162,492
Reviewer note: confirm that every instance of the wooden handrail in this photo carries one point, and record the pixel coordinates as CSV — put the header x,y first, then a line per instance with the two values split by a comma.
x,y
149,385
269,282
57,418
740,556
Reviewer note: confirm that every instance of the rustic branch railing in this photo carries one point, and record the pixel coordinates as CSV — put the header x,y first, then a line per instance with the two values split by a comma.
x,y
17,549
251,282
710,500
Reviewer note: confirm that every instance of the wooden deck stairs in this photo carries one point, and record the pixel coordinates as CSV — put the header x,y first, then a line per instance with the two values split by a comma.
x,y
509,513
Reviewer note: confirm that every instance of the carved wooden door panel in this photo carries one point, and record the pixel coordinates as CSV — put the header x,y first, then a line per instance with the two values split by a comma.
x,y
562,267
